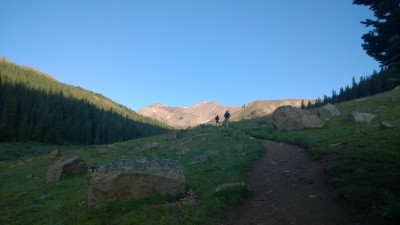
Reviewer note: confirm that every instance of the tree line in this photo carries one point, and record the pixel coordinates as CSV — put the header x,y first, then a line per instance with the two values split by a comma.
x,y
33,107
378,82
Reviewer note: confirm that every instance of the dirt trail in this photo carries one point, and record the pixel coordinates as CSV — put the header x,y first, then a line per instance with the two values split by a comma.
x,y
287,187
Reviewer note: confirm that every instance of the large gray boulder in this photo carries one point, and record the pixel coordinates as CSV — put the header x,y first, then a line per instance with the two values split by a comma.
x,y
361,117
65,167
328,112
129,177
290,118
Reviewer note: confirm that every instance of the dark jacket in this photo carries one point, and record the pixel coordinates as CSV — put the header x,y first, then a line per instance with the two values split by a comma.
x,y
227,115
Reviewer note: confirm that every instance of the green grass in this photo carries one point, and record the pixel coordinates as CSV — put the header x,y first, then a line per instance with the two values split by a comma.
x,y
364,168
11,151
26,198
365,158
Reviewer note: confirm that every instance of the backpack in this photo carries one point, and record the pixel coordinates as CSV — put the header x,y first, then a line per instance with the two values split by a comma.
x,y
227,115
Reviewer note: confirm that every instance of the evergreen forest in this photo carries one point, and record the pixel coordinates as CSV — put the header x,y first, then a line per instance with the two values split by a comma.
x,y
378,82
36,107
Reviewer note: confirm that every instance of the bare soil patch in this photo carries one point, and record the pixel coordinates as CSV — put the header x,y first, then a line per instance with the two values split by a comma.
x,y
287,187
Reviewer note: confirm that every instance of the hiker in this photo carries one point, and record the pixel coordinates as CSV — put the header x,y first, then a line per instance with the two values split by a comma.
x,y
217,119
227,115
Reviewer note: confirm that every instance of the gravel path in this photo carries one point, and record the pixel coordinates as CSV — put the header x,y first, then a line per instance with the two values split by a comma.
x,y
287,187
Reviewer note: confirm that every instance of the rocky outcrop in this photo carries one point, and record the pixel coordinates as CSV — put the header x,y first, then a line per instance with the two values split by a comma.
x,y
290,118
65,167
130,177
361,117
328,112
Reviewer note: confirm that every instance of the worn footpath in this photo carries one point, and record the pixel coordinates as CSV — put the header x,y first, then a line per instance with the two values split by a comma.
x,y
287,187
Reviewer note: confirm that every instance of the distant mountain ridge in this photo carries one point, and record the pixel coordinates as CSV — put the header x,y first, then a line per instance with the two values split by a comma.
x,y
199,113
204,112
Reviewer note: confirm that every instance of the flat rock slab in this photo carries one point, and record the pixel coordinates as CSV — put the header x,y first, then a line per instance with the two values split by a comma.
x,y
130,177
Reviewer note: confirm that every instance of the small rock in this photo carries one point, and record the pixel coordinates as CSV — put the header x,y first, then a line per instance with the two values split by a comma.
x,y
361,99
112,146
385,124
312,196
200,159
336,144
149,146
223,187
102,151
183,151
212,152
44,197
55,154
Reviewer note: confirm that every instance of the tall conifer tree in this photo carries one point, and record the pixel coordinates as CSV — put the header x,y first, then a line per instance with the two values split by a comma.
x,y
383,41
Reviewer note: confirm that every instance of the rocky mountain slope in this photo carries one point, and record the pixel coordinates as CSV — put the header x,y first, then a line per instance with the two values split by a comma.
x,y
199,113
205,112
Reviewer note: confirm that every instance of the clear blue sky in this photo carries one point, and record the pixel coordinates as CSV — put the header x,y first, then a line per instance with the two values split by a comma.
x,y
179,53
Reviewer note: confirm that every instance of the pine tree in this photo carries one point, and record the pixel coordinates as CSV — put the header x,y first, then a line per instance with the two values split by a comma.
x,y
383,41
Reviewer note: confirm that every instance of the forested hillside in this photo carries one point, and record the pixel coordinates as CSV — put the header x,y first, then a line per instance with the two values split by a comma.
x,y
36,107
378,82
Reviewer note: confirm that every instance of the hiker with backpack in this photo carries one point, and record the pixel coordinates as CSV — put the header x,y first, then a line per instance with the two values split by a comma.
x,y
217,119
227,115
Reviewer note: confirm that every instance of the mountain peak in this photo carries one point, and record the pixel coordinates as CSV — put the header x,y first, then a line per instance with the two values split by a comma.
x,y
204,112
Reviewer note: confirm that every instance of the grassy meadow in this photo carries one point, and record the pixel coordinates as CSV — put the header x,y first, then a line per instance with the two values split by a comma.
x,y
26,198
364,166
364,159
